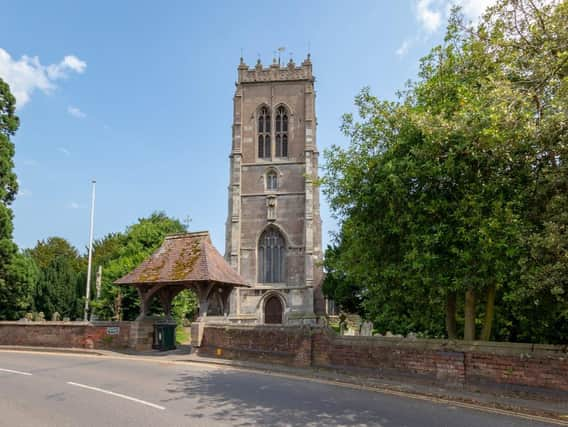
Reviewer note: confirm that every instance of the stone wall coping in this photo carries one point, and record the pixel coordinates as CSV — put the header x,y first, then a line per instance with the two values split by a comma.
x,y
256,327
504,348
111,323
455,345
62,323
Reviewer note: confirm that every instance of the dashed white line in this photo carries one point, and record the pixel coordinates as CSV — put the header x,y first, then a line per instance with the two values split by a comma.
x,y
112,393
10,371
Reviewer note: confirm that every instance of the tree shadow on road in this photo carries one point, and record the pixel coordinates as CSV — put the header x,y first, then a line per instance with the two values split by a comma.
x,y
236,398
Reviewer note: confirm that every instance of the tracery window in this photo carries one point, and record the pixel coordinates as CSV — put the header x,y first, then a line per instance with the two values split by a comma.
x,y
271,255
271,180
281,132
264,151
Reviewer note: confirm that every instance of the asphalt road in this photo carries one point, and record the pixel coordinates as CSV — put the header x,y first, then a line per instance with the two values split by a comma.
x,y
81,390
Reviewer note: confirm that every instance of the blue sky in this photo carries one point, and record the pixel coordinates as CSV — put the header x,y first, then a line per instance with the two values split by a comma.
x,y
139,96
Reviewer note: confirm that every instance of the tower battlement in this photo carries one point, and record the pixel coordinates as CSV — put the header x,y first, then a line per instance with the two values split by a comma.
x,y
275,72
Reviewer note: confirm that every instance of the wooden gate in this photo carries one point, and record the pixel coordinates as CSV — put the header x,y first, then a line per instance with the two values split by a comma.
x,y
273,310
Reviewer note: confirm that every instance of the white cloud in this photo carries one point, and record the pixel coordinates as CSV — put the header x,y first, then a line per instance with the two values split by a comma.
x,y
403,49
432,14
24,192
473,9
73,205
27,74
429,14
64,151
76,112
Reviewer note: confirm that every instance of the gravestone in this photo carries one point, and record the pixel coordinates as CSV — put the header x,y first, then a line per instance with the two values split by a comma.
x,y
367,329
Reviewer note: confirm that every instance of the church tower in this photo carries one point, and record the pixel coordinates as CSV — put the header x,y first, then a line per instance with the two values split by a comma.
x,y
273,229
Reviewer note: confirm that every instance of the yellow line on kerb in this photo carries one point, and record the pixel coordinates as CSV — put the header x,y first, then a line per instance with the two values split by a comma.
x,y
416,396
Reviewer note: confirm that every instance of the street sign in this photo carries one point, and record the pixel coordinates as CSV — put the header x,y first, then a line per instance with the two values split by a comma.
x,y
113,330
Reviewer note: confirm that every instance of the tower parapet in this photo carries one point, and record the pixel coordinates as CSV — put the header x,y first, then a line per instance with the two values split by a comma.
x,y
275,72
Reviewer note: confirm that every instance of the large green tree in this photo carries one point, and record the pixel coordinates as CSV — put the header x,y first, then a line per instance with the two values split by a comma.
x,y
338,285
60,284
444,196
46,251
56,290
533,36
17,271
9,123
18,289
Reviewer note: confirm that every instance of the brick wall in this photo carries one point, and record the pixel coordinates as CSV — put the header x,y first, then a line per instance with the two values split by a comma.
x,y
384,357
66,334
539,367
286,345
449,362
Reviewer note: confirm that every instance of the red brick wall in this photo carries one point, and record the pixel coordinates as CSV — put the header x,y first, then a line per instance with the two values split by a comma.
x,y
388,357
64,334
453,362
525,369
270,344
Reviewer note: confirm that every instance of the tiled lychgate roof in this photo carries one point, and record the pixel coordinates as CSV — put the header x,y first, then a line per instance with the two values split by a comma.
x,y
184,258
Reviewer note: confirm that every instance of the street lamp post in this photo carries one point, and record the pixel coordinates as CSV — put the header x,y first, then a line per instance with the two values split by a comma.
x,y
87,295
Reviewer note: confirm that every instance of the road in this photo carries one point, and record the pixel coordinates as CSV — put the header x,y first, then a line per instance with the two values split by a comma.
x,y
39,389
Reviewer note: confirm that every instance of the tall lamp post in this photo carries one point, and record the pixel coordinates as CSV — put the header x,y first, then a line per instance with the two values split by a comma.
x,y
88,294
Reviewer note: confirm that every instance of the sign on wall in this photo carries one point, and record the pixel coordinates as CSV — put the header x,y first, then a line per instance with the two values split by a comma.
x,y
113,330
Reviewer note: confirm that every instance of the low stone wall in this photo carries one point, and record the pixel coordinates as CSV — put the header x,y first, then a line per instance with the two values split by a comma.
x,y
389,356
286,345
97,335
459,363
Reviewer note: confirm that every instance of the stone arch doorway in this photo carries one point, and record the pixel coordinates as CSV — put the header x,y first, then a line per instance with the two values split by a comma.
x,y
273,310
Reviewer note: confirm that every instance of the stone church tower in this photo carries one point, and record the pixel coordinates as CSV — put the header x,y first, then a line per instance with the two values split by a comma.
x,y
273,229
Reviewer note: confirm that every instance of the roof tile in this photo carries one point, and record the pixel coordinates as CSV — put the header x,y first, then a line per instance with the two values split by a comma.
x,y
184,258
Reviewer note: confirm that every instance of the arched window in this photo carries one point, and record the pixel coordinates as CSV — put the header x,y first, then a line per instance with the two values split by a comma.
x,y
215,305
264,151
281,132
271,180
271,255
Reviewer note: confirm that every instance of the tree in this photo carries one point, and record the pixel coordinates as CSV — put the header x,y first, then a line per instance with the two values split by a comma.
x,y
9,123
17,291
337,285
531,39
444,195
46,251
184,306
56,290
61,280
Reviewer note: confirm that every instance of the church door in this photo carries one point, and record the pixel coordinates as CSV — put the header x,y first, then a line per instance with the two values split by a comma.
x,y
273,311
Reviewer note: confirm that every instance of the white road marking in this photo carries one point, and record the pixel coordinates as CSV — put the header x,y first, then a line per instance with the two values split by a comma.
x,y
376,389
112,393
10,371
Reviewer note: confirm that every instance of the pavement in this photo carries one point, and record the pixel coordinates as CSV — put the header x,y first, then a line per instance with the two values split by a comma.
x,y
84,387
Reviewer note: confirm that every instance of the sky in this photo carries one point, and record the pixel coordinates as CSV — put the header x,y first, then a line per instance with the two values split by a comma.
x,y
138,95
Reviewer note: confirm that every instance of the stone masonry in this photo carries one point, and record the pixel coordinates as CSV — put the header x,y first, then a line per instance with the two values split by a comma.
x,y
292,208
